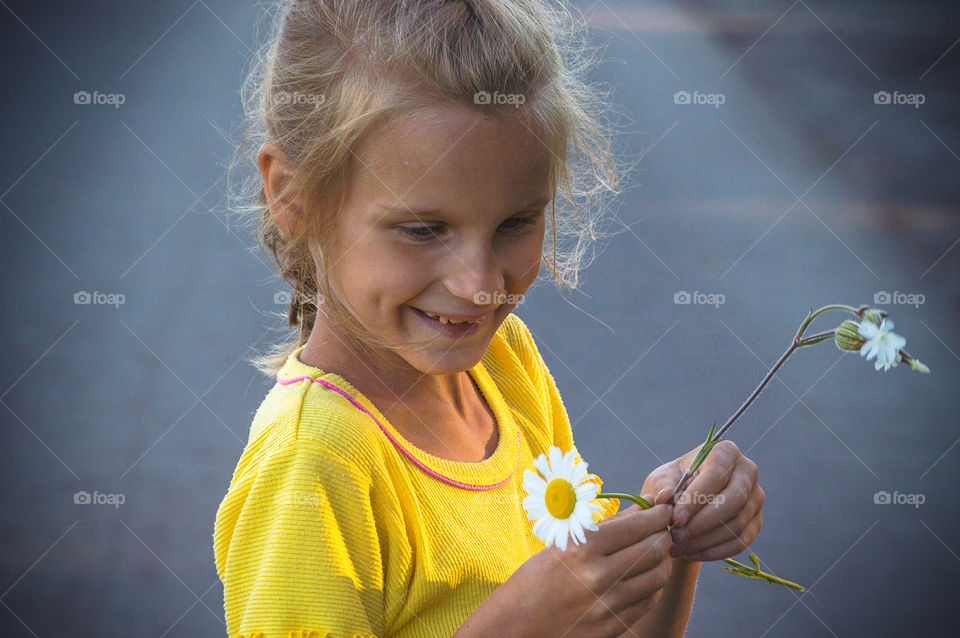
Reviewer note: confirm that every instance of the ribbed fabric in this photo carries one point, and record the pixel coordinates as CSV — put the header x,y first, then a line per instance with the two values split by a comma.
x,y
327,527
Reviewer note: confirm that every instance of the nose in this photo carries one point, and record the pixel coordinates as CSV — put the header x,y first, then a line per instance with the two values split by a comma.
x,y
476,275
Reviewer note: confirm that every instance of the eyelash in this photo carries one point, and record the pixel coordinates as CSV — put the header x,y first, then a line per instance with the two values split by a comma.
x,y
410,232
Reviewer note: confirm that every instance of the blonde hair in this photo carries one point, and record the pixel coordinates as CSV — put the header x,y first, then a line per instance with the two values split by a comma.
x,y
331,72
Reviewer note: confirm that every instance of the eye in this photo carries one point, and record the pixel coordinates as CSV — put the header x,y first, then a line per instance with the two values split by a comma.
x,y
515,224
420,233
423,233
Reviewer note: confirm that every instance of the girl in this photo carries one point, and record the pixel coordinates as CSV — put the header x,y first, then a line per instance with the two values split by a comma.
x,y
409,150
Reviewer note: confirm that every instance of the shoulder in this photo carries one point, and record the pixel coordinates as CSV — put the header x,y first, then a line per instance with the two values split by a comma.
x,y
517,337
514,331
318,421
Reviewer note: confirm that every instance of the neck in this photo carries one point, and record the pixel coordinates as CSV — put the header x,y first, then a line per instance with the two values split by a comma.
x,y
386,376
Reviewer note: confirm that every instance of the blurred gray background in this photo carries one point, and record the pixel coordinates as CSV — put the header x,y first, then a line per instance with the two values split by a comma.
x,y
799,190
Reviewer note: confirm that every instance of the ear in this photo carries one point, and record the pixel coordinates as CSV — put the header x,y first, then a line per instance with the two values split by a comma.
x,y
275,171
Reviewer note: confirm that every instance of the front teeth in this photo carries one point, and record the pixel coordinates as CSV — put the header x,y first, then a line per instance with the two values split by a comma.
x,y
445,320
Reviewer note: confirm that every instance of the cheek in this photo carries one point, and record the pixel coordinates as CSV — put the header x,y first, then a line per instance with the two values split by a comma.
x,y
525,259
378,275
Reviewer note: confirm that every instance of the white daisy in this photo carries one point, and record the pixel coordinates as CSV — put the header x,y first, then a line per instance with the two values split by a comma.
x,y
881,342
560,505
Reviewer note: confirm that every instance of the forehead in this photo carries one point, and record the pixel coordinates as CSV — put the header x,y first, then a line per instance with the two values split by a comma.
x,y
453,156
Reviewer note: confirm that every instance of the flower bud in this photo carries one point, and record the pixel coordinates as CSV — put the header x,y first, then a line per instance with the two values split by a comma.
x,y
873,315
848,336
914,364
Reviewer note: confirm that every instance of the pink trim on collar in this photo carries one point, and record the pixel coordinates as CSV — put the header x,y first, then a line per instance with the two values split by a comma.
x,y
466,486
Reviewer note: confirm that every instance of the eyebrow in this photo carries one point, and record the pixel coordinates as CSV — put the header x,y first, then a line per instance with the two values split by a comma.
x,y
389,211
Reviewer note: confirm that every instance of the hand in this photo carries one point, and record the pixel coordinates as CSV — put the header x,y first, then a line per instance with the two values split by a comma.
x,y
718,513
599,588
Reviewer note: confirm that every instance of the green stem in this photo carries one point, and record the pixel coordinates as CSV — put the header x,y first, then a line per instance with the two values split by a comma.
x,y
813,315
798,342
738,568
639,500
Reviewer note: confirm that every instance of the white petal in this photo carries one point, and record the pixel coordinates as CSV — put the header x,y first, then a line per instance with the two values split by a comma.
x,y
577,532
550,532
571,461
533,484
543,467
868,329
542,526
587,491
562,538
535,507
578,473
556,460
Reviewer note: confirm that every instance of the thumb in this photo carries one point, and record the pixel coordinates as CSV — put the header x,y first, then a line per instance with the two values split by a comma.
x,y
663,495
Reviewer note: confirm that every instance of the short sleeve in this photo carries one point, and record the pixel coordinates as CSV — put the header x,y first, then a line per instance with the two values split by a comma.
x,y
537,369
298,549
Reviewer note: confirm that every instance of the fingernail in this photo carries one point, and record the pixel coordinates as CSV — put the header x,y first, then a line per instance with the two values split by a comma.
x,y
675,550
679,534
682,518
670,510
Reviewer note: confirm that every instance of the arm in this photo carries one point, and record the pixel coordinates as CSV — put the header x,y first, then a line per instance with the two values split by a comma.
x,y
669,618
298,549
500,614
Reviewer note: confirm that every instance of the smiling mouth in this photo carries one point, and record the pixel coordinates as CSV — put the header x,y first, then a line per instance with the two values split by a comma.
x,y
450,322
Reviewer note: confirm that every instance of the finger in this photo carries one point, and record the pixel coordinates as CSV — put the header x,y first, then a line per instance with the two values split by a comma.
x,y
714,474
722,507
733,546
641,586
635,525
666,477
723,532
640,556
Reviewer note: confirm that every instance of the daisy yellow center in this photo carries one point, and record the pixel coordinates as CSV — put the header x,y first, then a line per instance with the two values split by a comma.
x,y
560,498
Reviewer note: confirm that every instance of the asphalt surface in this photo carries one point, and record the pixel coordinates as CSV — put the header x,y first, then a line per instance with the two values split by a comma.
x,y
798,191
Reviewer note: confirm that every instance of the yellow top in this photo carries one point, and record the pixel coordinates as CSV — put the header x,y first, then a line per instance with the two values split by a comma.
x,y
328,530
